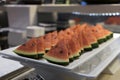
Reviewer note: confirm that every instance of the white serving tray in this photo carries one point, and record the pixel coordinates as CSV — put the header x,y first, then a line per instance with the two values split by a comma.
x,y
90,64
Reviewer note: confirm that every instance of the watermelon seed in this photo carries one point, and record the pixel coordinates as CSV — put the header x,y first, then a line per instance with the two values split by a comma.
x,y
55,37
61,52
68,53
24,44
46,51
44,37
56,46
32,45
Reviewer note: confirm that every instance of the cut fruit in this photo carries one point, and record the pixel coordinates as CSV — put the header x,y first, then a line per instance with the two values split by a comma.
x,y
91,38
86,43
106,33
98,34
73,43
54,38
58,54
29,49
65,46
61,35
40,46
47,41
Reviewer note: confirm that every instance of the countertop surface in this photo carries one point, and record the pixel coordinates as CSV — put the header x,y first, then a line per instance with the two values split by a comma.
x,y
8,66
116,76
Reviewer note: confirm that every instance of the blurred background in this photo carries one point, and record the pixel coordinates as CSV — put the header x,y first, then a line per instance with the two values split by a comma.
x,y
16,15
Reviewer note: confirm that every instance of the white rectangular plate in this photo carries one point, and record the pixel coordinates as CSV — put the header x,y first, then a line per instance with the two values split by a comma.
x,y
83,59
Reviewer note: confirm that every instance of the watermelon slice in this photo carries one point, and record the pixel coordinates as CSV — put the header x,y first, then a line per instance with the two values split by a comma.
x,y
54,38
40,46
58,54
70,52
74,51
47,41
86,44
108,34
74,38
98,34
63,35
78,33
73,43
92,39
29,49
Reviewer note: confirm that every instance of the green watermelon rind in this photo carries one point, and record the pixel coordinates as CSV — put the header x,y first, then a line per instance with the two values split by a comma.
x,y
56,60
40,54
60,63
46,51
101,40
105,38
76,55
82,51
29,55
95,45
109,36
25,54
88,48
71,58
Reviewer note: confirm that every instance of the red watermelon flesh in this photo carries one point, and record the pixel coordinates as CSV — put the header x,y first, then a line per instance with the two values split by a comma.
x,y
54,38
77,46
101,29
82,36
73,28
61,35
59,53
70,52
92,39
40,45
47,39
67,38
74,36
77,32
96,32
80,39
72,43
29,49
107,32
65,35
69,32
86,42
104,31
99,34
